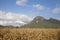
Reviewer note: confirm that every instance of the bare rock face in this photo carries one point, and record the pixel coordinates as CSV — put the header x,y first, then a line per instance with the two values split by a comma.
x,y
39,18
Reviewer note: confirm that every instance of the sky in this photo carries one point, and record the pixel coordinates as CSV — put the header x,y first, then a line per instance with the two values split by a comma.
x,y
20,12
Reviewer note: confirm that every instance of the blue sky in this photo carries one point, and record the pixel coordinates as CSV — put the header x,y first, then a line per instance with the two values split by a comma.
x,y
30,8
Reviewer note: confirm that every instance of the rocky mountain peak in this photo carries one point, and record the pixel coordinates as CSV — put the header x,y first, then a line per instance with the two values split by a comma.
x,y
39,18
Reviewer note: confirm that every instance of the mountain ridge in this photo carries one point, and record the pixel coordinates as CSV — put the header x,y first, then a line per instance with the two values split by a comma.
x,y
41,22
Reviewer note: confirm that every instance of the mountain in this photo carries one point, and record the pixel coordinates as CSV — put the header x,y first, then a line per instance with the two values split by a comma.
x,y
1,26
41,22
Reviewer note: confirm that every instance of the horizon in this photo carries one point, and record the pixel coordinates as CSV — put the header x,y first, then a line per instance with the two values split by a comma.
x,y
20,12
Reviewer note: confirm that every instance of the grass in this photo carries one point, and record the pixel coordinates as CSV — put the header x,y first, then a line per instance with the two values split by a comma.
x,y
29,34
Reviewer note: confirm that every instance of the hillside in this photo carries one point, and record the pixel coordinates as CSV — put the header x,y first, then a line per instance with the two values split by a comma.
x,y
41,22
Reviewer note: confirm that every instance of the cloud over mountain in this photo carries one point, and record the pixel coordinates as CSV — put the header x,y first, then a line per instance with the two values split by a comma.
x,y
56,9
38,6
10,18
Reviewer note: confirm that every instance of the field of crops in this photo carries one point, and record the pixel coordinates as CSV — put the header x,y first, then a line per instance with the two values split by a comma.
x,y
29,34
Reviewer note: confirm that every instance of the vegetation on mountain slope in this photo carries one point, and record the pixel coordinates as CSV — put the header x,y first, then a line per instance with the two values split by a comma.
x,y
40,22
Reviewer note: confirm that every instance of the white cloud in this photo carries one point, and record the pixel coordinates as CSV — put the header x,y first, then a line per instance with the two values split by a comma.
x,y
21,2
39,7
56,10
1,13
11,18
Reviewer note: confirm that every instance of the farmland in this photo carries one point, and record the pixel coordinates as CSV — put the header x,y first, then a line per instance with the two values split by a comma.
x,y
29,34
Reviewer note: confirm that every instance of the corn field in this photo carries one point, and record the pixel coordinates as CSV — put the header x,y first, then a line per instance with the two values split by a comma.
x,y
29,34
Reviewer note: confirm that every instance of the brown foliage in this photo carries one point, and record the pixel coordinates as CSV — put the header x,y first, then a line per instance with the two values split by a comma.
x,y
29,34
